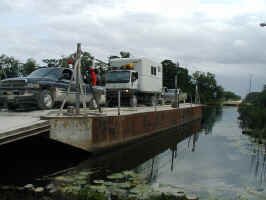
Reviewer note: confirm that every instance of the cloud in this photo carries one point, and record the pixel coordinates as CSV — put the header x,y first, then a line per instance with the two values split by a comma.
x,y
222,37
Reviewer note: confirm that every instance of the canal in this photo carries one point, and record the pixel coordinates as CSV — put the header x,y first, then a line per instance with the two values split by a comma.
x,y
211,158
221,162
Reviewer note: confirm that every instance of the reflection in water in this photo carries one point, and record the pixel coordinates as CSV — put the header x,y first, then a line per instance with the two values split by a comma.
x,y
144,151
27,160
211,115
258,163
190,146
151,168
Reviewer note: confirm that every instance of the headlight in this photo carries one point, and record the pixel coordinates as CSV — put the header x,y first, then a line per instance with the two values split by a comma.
x,y
32,85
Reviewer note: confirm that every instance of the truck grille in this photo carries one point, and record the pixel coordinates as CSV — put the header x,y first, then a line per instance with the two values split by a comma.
x,y
13,84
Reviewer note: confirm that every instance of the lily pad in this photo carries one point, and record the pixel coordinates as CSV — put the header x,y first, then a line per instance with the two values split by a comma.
x,y
108,183
65,179
81,182
39,189
130,173
98,188
29,186
125,185
81,177
116,176
71,189
98,182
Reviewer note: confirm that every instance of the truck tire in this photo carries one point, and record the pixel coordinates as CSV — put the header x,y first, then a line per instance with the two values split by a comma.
x,y
46,100
93,104
11,106
107,104
133,101
162,101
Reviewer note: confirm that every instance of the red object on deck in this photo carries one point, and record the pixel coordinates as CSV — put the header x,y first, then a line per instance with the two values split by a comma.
x,y
70,61
93,77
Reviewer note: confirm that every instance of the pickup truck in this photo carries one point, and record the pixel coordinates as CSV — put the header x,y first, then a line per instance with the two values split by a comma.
x,y
169,95
44,87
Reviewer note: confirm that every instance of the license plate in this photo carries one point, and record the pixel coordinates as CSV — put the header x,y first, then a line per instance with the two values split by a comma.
x,y
10,97
9,92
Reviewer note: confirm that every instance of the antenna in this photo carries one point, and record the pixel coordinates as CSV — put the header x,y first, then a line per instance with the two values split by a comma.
x,y
250,83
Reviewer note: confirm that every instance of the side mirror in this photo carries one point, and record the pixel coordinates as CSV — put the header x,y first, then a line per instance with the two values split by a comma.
x,y
134,76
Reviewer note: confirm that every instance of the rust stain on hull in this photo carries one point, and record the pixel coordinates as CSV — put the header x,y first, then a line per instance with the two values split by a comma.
x,y
112,130
103,131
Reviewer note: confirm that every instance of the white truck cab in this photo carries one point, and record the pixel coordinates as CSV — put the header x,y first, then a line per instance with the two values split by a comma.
x,y
139,80
122,79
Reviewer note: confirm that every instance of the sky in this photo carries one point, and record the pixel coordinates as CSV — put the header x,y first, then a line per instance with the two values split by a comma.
x,y
217,36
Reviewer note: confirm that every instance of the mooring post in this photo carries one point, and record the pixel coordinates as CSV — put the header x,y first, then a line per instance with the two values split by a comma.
x,y
118,102
178,98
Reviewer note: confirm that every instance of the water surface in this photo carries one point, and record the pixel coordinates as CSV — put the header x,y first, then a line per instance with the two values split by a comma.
x,y
217,161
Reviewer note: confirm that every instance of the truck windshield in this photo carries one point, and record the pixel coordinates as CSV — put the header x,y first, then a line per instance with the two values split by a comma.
x,y
51,73
118,77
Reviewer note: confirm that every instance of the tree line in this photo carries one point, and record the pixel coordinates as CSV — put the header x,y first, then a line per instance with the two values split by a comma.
x,y
11,67
252,112
210,92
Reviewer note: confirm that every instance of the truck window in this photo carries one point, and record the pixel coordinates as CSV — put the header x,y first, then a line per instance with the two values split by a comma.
x,y
118,77
47,72
67,74
153,70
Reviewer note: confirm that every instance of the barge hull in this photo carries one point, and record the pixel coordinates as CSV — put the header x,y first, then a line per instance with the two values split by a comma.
x,y
94,133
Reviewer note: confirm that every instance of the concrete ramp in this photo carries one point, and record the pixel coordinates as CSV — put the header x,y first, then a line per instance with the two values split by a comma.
x,y
19,125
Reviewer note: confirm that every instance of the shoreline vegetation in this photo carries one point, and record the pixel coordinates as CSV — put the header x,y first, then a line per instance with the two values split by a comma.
x,y
126,185
253,115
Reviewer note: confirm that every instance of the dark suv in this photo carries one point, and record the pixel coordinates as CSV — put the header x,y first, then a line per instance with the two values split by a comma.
x,y
43,87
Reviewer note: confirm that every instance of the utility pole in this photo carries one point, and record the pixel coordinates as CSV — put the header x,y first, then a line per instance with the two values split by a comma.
x,y
197,96
77,76
250,83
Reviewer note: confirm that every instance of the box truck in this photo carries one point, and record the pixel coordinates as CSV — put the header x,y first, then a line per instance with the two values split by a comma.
x,y
139,80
